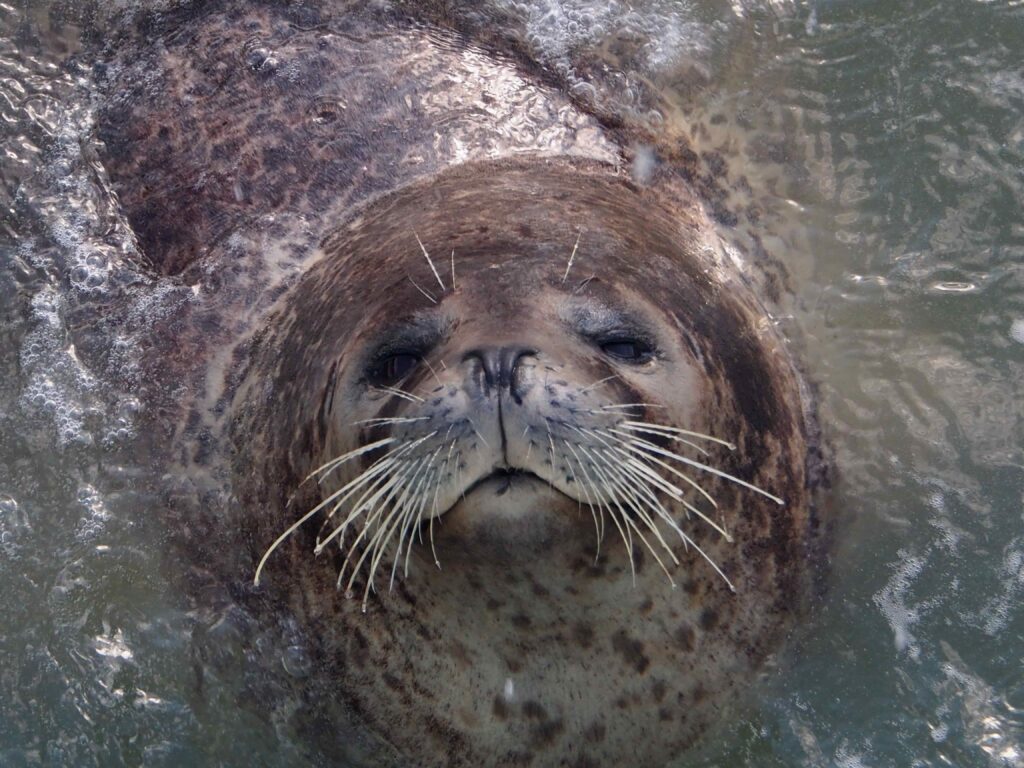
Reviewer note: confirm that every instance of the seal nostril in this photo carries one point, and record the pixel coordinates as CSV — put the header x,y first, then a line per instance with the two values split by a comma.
x,y
499,366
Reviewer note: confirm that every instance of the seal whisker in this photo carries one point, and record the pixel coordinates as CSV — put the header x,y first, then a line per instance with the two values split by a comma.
x,y
674,438
391,485
433,513
413,520
572,256
583,284
572,476
435,479
642,426
599,525
431,262
431,369
401,513
373,470
630,494
391,420
401,393
648,446
298,523
551,445
633,502
652,476
688,542
642,481
384,530
626,533
675,492
406,519
437,486
631,442
595,486
328,466
611,477
422,290
477,432
453,269
630,405
377,472
599,382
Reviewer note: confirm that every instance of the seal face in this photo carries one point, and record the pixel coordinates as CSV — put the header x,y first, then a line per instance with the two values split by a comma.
x,y
558,467
561,498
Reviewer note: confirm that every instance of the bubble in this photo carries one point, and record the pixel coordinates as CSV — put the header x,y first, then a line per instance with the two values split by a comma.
x,y
90,271
57,384
297,662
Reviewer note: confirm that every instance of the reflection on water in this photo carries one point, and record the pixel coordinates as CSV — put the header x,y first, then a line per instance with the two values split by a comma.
x,y
884,142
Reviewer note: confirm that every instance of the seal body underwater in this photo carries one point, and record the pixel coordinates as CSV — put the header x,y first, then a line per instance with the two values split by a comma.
x,y
502,438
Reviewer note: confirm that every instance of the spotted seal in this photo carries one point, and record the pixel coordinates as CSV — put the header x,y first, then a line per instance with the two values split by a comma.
x,y
502,438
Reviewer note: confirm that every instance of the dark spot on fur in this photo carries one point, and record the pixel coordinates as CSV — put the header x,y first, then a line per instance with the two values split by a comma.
x,y
708,619
583,633
361,651
534,711
665,715
500,708
595,732
521,621
461,654
658,690
518,758
686,638
544,730
493,605
638,559
632,651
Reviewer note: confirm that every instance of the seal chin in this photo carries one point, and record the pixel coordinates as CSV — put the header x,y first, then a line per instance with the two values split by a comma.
x,y
510,515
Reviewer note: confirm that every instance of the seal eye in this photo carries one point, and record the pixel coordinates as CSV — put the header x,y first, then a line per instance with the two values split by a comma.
x,y
394,368
624,349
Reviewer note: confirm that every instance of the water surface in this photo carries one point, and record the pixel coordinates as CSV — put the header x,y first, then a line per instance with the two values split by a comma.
x,y
886,142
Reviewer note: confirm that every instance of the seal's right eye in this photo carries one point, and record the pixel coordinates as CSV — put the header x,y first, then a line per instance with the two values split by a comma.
x,y
393,368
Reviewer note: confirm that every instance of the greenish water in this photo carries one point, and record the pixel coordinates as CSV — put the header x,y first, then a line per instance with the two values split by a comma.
x,y
888,138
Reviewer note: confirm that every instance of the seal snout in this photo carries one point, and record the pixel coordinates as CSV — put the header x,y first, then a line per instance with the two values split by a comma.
x,y
499,368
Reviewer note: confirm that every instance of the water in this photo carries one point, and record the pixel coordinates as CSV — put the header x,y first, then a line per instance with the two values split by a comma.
x,y
886,142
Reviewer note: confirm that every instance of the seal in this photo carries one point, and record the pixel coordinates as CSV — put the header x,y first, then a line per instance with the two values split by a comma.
x,y
504,439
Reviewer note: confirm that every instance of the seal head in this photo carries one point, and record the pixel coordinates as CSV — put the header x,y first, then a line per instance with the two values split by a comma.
x,y
559,465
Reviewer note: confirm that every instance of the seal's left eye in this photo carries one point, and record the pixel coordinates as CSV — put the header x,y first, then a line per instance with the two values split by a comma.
x,y
630,351
394,368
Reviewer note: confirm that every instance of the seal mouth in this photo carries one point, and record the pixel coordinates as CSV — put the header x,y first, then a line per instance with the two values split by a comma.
x,y
502,479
